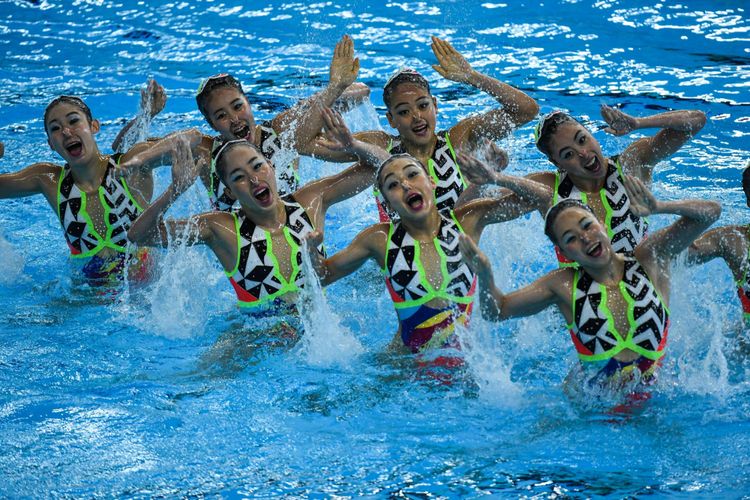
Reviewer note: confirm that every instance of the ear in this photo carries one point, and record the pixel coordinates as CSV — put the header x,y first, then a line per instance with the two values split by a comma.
x,y
434,103
95,126
389,116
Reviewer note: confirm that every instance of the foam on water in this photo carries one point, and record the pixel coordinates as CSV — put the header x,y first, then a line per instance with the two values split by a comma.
x,y
325,342
12,260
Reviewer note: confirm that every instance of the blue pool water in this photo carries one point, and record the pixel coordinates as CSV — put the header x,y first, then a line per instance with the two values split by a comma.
x,y
167,391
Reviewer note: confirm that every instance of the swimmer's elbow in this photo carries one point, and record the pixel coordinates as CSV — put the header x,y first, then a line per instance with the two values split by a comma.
x,y
712,211
697,120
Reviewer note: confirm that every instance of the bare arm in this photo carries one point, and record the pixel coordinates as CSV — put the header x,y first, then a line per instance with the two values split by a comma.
x,y
144,159
369,244
306,117
661,247
149,228
526,196
518,108
677,127
354,179
29,181
527,301
153,100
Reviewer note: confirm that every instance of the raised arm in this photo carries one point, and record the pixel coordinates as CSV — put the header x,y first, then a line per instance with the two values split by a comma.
x,y
145,157
153,100
34,179
333,189
517,107
662,246
496,305
306,117
369,244
527,195
677,127
149,228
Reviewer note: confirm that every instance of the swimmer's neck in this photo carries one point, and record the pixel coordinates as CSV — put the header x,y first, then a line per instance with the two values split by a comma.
x,y
423,229
270,220
422,152
589,185
88,177
609,273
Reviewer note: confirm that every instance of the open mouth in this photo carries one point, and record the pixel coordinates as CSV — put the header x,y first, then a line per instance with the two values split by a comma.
x,y
415,201
593,165
420,129
263,195
241,132
595,250
75,149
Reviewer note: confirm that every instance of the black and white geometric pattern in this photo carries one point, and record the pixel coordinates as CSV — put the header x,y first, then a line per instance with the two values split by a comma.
x,y
627,229
404,272
256,272
120,211
591,325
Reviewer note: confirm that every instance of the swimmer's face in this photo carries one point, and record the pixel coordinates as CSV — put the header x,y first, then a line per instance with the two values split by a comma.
x,y
413,112
407,188
230,114
70,134
581,237
574,150
250,178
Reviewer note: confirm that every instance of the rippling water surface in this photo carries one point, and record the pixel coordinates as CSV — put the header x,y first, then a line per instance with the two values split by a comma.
x,y
166,391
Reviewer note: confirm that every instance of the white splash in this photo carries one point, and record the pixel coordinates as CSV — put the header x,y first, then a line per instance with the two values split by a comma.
x,y
324,342
12,260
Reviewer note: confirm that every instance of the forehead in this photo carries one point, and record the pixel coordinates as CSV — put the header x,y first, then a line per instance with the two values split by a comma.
x,y
408,90
62,109
569,219
223,96
565,133
398,165
242,154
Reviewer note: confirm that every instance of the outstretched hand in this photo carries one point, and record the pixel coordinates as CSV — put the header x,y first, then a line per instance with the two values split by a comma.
x,y
480,173
642,202
153,98
184,168
474,257
619,123
337,136
344,66
451,64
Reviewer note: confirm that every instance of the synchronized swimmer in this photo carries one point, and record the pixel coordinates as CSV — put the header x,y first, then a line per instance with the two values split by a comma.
x,y
613,285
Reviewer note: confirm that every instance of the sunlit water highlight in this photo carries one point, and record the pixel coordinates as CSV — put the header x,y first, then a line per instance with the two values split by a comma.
x,y
167,390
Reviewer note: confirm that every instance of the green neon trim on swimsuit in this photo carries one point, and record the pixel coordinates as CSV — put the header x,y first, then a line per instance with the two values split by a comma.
x,y
622,344
237,232
286,286
431,292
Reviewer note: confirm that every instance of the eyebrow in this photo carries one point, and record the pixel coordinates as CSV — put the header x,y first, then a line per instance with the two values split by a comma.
x,y
76,113
562,236
406,102
575,138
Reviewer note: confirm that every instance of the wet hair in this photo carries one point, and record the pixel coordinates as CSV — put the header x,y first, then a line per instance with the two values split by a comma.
x,y
554,212
547,127
208,85
405,75
746,178
221,156
67,99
